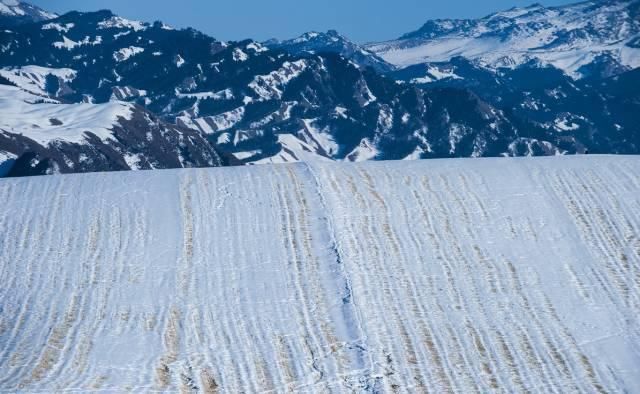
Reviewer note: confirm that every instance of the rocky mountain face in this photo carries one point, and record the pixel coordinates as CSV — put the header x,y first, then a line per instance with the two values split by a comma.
x,y
597,37
592,114
315,97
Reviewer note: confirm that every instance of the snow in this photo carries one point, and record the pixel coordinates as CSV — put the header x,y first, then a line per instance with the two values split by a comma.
x,y
213,124
341,112
46,123
226,94
425,79
363,93
488,275
257,47
126,53
306,37
443,74
117,22
293,150
456,133
416,154
69,44
438,51
385,120
65,43
11,7
223,138
228,119
33,78
127,92
179,61
239,55
245,155
134,160
121,34
56,26
566,125
271,86
363,152
321,140
5,156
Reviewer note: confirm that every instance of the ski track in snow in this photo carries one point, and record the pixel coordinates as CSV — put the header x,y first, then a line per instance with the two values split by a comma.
x,y
486,275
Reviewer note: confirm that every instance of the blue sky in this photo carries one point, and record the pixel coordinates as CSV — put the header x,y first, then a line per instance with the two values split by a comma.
x,y
360,20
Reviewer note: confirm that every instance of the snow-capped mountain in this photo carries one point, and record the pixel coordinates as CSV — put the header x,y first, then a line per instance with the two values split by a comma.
x,y
13,12
39,135
333,42
574,38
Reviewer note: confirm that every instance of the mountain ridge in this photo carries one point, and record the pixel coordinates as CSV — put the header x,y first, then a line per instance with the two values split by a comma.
x,y
334,42
567,37
14,12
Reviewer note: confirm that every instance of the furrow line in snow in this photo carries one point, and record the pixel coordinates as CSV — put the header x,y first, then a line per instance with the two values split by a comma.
x,y
473,303
458,255
87,288
440,347
353,256
309,339
424,310
435,216
308,261
354,340
486,265
264,376
380,240
591,231
38,303
407,287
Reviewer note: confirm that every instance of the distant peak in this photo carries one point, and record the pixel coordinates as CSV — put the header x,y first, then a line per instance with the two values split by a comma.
x,y
24,12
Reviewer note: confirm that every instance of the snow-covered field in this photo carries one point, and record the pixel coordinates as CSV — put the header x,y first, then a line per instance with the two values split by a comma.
x,y
505,275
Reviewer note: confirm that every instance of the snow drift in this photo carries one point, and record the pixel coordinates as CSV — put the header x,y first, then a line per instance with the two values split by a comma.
x,y
481,275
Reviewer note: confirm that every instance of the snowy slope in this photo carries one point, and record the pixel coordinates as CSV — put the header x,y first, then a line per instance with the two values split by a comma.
x,y
571,38
486,275
83,137
45,122
33,79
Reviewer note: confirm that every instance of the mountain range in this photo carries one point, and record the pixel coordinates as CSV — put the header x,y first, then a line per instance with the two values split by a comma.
x,y
571,38
528,81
